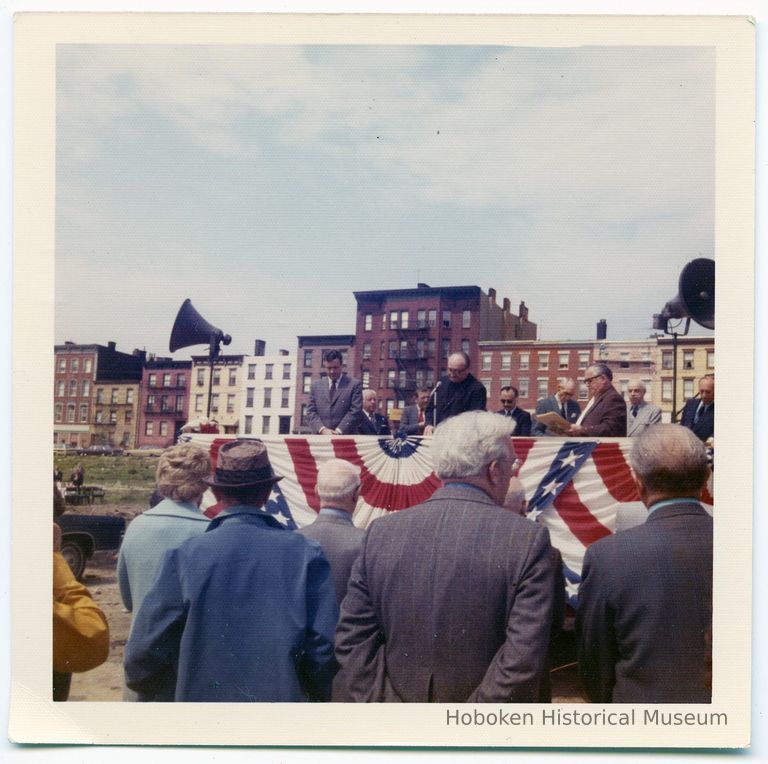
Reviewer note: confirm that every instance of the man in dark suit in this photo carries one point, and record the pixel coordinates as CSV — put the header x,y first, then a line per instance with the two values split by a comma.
x,y
562,402
644,621
521,418
451,600
338,488
699,414
335,401
414,419
371,422
458,393
605,415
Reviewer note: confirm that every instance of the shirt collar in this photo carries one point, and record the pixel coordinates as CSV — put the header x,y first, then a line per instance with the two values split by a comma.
x,y
330,512
668,502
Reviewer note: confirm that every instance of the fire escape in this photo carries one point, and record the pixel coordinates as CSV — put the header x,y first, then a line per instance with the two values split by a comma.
x,y
413,356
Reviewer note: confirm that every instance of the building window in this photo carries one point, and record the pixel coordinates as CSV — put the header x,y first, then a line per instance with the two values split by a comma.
x,y
150,402
563,360
366,351
59,411
431,348
522,387
269,370
486,360
100,395
75,364
430,382
307,359
402,378
303,415
687,359
249,397
421,318
86,388
544,362
465,346
164,403
232,376
267,397
624,388
60,388
129,395
62,364
163,428
149,427
667,361
215,402
542,387
466,319
88,365
648,395
179,403
113,417
368,322
217,377
583,359
230,403
265,425
393,348
70,412
286,371
181,380
366,378
710,359
487,384
432,318
525,361
113,395
445,348
152,381
687,388
404,317
420,349
446,319
200,377
284,397
393,319
251,371
306,383
72,388
623,360
506,361
391,378
583,391
383,320
99,417
166,381
198,403
404,349
666,390
248,429
645,358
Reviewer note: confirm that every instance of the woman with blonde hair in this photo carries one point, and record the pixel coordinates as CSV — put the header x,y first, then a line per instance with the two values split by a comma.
x,y
180,480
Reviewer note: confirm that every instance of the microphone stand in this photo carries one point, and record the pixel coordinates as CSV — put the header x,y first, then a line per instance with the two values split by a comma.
x,y
433,394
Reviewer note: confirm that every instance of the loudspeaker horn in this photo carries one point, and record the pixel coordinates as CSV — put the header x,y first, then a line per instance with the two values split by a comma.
x,y
696,295
190,328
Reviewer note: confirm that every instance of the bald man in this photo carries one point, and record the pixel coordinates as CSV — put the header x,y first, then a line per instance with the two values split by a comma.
x,y
640,414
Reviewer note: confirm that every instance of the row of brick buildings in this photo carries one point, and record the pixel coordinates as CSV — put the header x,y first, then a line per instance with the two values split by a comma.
x,y
401,342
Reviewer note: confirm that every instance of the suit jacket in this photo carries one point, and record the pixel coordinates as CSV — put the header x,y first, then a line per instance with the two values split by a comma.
x,y
572,411
342,412
608,416
647,414
409,423
453,398
381,426
644,623
449,601
705,427
341,542
522,421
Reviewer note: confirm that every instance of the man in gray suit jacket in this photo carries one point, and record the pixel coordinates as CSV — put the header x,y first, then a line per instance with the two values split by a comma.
x,y
451,600
338,488
644,623
562,402
335,401
640,415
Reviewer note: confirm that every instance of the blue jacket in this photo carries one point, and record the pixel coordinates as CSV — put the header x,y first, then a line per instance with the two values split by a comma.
x,y
245,612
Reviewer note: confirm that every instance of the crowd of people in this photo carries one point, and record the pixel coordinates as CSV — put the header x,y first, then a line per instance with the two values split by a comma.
x,y
453,600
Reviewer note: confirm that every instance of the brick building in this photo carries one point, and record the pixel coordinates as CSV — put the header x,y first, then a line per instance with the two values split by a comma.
x,y
268,392
163,401
404,336
695,359
95,395
225,398
311,353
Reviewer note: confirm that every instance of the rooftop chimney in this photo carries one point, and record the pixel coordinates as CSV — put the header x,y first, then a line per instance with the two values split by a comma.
x,y
259,347
523,311
111,345
602,329
506,305
492,295
422,285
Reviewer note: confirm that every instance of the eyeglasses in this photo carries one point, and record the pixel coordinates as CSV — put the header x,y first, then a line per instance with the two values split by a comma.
x,y
587,380
507,400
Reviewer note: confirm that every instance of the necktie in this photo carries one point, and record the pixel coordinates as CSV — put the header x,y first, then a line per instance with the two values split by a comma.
x,y
562,411
333,387
700,411
634,410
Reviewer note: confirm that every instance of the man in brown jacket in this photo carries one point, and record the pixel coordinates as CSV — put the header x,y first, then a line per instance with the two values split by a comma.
x,y
605,415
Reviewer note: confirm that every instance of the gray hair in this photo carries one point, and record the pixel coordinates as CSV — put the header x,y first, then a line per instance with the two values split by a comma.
x,y
337,480
464,445
670,459
181,470
602,369
638,383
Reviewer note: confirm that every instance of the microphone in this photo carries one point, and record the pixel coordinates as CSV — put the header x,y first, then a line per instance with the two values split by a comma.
x,y
434,405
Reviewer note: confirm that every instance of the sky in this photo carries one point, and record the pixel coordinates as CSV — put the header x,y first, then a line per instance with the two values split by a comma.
x,y
268,183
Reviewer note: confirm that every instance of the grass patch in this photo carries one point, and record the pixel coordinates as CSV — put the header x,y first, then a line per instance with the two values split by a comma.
x,y
126,479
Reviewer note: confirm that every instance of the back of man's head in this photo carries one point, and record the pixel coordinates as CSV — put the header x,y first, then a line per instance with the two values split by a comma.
x,y
337,483
464,445
670,460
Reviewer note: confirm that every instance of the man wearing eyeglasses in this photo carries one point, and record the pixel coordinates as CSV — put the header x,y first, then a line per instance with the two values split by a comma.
x,y
605,414
562,402
521,418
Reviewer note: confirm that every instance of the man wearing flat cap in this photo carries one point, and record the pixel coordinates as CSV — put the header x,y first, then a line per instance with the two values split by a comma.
x,y
245,612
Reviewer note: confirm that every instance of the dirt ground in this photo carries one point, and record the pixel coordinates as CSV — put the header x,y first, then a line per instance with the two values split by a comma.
x,y
105,683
